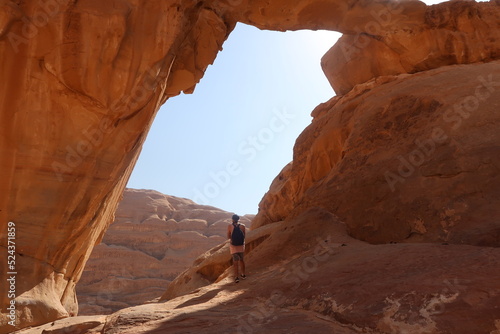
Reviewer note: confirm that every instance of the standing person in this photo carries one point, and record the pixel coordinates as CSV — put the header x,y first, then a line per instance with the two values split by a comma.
x,y
236,233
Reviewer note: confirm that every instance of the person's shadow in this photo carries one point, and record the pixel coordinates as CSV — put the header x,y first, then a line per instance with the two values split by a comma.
x,y
201,299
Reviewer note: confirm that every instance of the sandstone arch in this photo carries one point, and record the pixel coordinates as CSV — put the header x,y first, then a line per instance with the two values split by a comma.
x,y
85,79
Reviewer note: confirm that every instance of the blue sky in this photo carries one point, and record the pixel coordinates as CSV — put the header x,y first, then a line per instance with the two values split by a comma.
x,y
224,144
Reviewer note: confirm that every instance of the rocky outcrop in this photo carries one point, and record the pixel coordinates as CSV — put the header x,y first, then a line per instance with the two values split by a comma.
x,y
153,239
87,77
407,158
386,37
211,266
455,32
299,281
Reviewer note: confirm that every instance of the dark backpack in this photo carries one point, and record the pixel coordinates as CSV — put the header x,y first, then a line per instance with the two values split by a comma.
x,y
237,237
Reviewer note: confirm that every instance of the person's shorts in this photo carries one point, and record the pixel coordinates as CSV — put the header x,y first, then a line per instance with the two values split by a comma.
x,y
238,256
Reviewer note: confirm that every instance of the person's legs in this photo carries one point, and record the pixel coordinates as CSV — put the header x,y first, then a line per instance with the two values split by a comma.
x,y
242,267
235,266
236,261
242,264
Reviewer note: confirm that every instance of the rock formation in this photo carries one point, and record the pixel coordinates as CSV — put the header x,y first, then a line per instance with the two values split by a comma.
x,y
85,79
461,32
153,239
406,152
399,161
328,284
407,158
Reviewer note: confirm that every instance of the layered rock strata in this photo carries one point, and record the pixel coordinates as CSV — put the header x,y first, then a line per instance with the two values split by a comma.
x,y
153,238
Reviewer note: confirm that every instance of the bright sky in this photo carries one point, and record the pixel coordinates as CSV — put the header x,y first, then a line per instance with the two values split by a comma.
x,y
224,144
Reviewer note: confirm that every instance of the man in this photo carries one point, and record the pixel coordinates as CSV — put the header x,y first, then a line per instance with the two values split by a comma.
x,y
236,234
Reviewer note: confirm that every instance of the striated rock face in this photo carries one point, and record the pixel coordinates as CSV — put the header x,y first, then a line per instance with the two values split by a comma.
x,y
85,79
409,158
153,239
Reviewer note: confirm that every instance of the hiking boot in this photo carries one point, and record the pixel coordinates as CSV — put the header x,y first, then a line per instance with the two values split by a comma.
x,y
243,276
236,280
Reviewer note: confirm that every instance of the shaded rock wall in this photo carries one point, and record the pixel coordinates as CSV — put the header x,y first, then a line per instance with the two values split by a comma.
x,y
153,238
85,79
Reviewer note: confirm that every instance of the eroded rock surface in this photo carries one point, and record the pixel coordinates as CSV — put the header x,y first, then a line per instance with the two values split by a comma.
x,y
85,79
386,37
153,239
328,284
408,158
455,32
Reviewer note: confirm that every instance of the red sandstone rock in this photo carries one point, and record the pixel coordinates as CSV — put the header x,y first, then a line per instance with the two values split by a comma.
x,y
86,78
411,159
454,32
300,282
145,248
